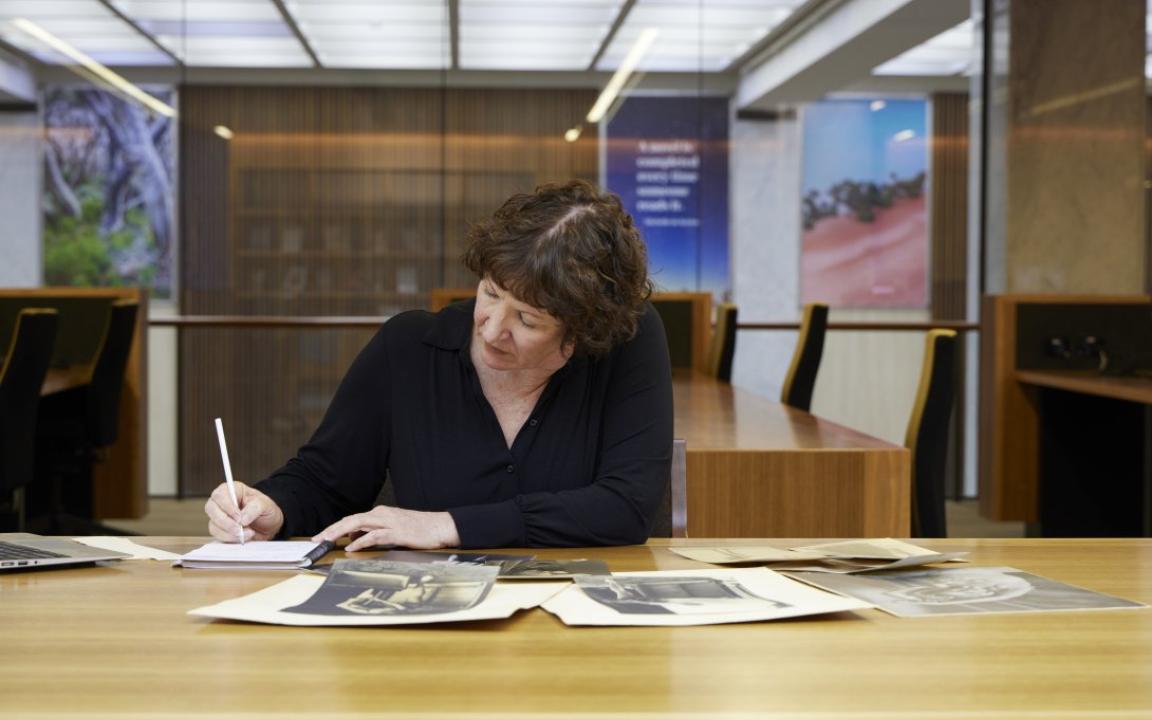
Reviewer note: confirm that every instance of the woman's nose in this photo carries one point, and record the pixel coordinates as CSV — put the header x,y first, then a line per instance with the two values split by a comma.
x,y
493,328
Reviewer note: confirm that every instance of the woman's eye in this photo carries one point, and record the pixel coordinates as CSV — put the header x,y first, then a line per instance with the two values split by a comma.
x,y
489,293
524,321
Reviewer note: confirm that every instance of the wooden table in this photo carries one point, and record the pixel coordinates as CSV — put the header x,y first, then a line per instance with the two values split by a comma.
x,y
115,642
758,468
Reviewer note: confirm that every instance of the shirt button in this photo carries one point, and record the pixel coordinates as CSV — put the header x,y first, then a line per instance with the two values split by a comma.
x,y
533,422
511,468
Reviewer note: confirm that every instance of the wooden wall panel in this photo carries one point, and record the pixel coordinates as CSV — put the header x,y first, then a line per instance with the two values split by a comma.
x,y
949,233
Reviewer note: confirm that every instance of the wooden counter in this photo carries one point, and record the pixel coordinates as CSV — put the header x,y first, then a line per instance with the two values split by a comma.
x,y
758,468
108,643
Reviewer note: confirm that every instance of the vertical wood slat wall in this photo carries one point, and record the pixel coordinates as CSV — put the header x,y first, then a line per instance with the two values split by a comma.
x,y
333,201
949,236
949,250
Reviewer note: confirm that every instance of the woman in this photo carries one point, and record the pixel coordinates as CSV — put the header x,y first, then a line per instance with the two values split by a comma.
x,y
539,414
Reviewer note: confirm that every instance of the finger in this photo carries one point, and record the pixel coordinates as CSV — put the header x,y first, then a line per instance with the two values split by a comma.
x,y
347,526
220,518
223,500
375,538
222,532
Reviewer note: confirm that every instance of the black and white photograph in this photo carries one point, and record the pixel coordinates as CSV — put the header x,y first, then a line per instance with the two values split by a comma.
x,y
691,597
505,562
554,569
387,587
672,595
964,591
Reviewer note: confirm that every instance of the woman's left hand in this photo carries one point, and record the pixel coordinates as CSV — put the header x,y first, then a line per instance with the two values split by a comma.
x,y
394,527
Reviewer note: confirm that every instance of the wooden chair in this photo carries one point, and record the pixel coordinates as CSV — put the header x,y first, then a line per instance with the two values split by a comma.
x,y
672,517
21,376
801,378
927,435
76,426
722,349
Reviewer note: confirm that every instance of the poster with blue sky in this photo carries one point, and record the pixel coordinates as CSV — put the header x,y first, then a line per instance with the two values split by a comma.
x,y
667,159
864,204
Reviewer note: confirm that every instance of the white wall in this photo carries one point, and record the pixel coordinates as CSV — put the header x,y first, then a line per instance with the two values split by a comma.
x,y
162,406
21,165
867,380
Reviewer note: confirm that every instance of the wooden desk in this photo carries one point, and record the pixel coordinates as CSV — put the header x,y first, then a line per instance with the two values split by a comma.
x,y
114,642
758,468
1095,452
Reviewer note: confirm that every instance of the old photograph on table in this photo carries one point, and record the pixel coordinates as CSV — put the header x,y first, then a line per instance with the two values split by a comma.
x,y
690,597
406,598
540,569
964,591
502,561
388,587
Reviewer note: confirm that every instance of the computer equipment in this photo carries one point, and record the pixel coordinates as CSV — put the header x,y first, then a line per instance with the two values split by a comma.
x,y
19,551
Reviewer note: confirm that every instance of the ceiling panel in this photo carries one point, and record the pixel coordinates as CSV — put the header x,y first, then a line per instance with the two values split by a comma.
x,y
235,33
952,52
401,34
696,35
523,35
86,25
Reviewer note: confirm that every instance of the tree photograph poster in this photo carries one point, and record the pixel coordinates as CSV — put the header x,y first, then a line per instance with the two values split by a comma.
x,y
109,203
864,206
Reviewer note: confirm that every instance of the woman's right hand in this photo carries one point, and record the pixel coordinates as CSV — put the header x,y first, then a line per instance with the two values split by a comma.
x,y
260,517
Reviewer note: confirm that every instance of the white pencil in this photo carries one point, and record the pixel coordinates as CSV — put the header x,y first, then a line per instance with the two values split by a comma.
x,y
228,471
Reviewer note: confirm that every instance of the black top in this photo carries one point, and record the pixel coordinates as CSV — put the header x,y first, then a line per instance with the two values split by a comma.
x,y
589,467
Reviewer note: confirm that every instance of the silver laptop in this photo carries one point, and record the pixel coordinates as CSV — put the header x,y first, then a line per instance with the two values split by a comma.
x,y
25,550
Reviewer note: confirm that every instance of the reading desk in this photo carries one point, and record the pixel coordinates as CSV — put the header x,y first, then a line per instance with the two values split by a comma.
x,y
115,642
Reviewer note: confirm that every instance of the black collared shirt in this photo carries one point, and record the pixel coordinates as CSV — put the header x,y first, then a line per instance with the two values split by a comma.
x,y
588,467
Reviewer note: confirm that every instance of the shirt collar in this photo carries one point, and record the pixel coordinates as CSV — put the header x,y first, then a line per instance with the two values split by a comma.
x,y
452,326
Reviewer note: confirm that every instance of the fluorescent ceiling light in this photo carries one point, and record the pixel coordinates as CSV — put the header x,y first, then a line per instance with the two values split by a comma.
x,y
98,70
616,84
904,135
223,131
572,134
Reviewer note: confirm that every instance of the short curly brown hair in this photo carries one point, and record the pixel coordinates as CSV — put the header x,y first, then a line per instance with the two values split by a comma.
x,y
572,251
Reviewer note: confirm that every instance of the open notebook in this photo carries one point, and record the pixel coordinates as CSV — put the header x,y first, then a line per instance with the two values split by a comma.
x,y
270,555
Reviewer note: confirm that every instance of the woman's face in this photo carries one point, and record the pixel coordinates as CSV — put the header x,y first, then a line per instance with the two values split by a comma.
x,y
512,335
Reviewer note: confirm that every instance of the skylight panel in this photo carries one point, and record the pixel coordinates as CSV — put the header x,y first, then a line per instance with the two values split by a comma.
x,y
521,35
86,25
401,34
696,35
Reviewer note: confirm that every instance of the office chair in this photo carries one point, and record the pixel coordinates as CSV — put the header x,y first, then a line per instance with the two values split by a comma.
x,y
723,345
672,517
21,376
927,435
77,426
801,378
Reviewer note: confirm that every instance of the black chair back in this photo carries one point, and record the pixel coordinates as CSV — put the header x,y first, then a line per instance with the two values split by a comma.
x,y
21,377
103,406
672,517
801,378
928,435
723,347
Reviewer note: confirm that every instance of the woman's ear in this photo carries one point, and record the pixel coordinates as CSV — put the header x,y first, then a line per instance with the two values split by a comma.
x,y
568,349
